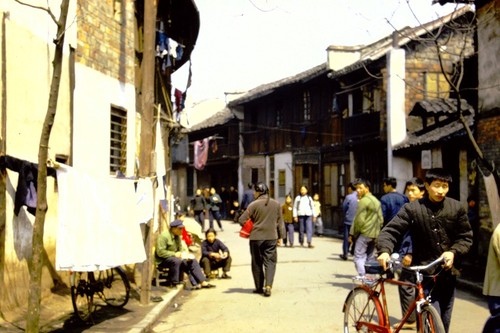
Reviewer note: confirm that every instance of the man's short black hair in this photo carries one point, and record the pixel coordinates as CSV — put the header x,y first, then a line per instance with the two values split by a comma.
x,y
437,174
390,181
361,181
415,181
352,185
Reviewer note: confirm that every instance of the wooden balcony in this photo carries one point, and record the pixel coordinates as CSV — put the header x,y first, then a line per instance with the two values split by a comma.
x,y
362,127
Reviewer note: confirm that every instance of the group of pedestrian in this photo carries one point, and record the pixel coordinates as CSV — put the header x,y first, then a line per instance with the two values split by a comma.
x,y
421,226
302,215
209,203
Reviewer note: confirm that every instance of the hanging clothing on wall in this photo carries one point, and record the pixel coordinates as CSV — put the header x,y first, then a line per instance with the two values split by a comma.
x,y
98,226
27,184
200,153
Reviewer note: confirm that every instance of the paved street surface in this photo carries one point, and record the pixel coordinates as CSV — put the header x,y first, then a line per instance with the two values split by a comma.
x,y
308,294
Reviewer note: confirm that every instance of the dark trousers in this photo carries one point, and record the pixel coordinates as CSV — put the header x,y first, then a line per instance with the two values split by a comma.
x,y
442,291
210,265
492,325
264,258
199,216
214,214
177,266
345,242
407,294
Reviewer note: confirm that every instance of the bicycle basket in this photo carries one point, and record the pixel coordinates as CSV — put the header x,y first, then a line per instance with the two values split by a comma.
x,y
373,267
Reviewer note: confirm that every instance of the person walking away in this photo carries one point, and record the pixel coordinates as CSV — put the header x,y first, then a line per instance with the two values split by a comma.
x,y
287,213
366,225
303,213
199,206
349,207
414,190
247,197
439,228
215,255
491,285
224,203
214,203
267,232
171,252
317,214
391,201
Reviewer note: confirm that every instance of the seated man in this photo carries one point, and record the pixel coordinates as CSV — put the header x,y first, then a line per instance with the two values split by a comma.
x,y
172,252
214,254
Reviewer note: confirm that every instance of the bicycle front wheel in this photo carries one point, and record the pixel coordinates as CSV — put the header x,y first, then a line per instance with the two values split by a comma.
x,y
430,320
361,309
114,287
82,295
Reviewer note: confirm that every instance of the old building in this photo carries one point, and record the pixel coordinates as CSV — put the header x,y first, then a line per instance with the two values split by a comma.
x,y
97,121
342,120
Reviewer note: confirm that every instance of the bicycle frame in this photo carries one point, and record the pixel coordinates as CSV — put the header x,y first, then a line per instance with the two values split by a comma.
x,y
376,289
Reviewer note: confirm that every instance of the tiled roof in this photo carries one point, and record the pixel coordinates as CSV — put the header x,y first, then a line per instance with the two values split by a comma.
x,y
442,132
218,118
269,88
440,106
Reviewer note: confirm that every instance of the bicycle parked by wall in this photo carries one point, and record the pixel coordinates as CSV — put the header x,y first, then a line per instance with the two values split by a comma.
x,y
110,285
365,308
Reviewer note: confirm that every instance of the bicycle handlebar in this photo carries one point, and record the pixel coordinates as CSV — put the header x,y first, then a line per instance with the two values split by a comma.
x,y
424,267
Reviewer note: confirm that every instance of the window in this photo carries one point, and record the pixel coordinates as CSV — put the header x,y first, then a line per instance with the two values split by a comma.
x,y
118,140
255,175
279,114
307,106
436,86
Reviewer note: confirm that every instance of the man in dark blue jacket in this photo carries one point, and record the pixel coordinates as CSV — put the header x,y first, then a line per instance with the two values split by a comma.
x,y
391,201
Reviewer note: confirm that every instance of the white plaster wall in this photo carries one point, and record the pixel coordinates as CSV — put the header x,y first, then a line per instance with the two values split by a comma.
x,y
283,161
95,93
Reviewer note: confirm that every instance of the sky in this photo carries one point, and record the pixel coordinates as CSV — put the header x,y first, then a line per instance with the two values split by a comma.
x,y
246,43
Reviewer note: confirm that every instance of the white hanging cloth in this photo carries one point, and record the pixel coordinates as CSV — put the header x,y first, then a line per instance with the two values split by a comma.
x,y
98,226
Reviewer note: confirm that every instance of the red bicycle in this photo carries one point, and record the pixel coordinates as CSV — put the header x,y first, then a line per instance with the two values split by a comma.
x,y
365,308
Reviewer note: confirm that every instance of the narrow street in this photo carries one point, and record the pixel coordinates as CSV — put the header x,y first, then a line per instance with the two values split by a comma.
x,y
308,294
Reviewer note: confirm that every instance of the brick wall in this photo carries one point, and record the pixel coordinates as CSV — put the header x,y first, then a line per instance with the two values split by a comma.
x,y
106,37
422,57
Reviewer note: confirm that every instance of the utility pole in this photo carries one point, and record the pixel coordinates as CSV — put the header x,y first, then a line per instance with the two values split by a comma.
x,y
147,132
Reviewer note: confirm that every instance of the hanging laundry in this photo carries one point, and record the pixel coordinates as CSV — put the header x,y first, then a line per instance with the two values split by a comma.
x,y
179,100
26,192
97,227
200,154
144,197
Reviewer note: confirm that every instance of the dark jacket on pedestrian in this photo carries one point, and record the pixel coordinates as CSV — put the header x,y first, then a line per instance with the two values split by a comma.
x,y
214,202
391,204
216,246
435,228
266,216
198,203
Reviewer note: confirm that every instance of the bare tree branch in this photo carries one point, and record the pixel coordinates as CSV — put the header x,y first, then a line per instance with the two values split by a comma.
x,y
47,10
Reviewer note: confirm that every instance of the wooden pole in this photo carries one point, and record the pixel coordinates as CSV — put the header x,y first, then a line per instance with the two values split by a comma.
x,y
147,125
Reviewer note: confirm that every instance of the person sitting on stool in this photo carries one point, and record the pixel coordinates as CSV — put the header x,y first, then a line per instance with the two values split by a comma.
x,y
214,254
173,253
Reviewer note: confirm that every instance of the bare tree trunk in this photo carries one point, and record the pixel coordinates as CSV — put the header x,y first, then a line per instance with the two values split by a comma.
x,y
41,209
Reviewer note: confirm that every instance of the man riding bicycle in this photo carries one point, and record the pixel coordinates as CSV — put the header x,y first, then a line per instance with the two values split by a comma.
x,y
439,227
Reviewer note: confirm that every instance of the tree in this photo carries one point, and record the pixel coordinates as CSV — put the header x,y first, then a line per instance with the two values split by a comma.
x,y
35,267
